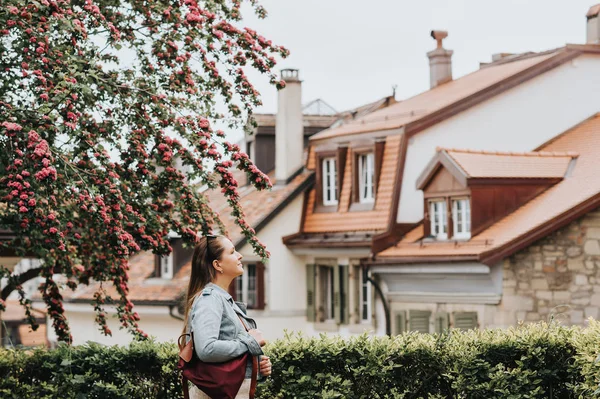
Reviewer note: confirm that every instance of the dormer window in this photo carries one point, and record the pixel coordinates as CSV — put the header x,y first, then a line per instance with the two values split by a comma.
x,y
461,217
166,266
330,186
366,174
438,219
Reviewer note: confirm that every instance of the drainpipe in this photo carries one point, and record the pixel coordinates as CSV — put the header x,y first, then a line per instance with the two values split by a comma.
x,y
173,315
386,308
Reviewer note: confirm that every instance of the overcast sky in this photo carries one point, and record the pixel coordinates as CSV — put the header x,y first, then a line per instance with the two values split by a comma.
x,y
351,52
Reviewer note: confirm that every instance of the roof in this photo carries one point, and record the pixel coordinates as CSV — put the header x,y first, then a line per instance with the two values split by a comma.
x,y
484,164
572,197
443,101
345,220
318,107
16,312
469,165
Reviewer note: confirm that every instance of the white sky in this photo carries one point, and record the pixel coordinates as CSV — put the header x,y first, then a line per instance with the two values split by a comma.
x,y
351,52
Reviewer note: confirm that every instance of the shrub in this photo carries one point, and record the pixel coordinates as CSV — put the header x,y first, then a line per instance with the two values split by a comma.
x,y
532,361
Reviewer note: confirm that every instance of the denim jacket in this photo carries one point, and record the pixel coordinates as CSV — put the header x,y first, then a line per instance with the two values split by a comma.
x,y
218,332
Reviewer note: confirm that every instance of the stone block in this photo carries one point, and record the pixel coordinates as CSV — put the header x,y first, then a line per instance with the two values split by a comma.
x,y
521,316
533,316
581,279
584,301
547,295
537,265
592,247
576,264
591,311
539,284
561,296
593,232
595,299
581,294
517,302
510,283
574,251
589,265
577,316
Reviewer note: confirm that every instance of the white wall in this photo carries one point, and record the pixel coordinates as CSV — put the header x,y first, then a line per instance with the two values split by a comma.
x,y
518,120
155,321
285,276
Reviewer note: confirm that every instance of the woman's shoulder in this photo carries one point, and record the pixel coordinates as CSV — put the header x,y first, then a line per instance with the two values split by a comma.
x,y
206,297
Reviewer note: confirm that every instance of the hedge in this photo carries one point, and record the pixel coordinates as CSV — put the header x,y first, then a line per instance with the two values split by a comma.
x,y
531,361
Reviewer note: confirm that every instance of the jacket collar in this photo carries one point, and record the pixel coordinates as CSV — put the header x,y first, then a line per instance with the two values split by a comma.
x,y
221,291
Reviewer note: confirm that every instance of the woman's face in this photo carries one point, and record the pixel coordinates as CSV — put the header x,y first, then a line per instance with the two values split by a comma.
x,y
231,260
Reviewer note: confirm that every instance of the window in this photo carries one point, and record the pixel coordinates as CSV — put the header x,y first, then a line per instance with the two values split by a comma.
x,y
366,172
437,219
326,290
461,216
166,266
246,286
330,194
250,147
365,297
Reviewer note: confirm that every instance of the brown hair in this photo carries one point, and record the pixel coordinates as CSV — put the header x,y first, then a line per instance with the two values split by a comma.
x,y
208,249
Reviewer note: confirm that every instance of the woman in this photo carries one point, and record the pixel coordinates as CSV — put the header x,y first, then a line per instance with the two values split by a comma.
x,y
214,317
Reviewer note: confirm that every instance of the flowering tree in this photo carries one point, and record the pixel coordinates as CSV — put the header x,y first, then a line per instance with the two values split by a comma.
x,y
108,111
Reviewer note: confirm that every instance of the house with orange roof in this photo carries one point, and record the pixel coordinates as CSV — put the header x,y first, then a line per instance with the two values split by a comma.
x,y
506,237
15,331
273,289
369,179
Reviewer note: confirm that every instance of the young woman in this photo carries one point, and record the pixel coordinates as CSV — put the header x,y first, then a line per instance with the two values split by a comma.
x,y
214,317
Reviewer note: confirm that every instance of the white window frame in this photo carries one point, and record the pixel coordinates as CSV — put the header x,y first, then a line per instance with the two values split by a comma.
x,y
243,283
326,293
464,218
366,177
438,219
166,266
329,169
365,298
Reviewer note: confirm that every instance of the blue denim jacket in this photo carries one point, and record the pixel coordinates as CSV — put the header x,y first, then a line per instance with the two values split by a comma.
x,y
218,332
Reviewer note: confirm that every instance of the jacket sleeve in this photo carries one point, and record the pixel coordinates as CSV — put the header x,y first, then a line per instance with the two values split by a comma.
x,y
207,314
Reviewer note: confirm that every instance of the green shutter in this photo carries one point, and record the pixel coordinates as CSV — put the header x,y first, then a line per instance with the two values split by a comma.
x,y
418,320
357,311
400,319
442,322
337,300
345,286
310,292
465,320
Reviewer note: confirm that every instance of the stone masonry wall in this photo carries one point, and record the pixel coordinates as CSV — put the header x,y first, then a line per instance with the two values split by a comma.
x,y
557,277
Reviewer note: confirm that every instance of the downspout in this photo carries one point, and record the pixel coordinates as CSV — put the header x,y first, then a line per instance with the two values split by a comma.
x,y
171,307
386,309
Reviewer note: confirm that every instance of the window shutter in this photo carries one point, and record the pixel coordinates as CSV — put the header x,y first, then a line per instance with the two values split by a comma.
x,y
442,322
260,285
400,319
357,279
465,320
345,286
337,295
310,292
418,320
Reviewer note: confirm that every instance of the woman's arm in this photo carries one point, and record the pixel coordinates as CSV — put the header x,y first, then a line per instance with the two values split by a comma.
x,y
207,314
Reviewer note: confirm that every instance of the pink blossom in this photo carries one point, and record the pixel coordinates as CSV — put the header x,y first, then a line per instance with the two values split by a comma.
x,y
23,209
12,126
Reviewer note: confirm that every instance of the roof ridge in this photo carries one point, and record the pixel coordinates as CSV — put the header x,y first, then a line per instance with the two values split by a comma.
x,y
539,154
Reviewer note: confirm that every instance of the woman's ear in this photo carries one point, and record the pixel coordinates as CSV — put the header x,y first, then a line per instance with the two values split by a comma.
x,y
217,266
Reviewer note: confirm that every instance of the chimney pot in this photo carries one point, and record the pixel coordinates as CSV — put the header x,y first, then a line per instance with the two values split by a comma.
x,y
440,61
593,25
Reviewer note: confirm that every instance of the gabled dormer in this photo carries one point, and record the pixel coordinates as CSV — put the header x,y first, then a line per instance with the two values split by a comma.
x,y
167,266
464,192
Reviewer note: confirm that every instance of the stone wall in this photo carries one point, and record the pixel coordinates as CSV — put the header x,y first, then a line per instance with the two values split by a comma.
x,y
557,277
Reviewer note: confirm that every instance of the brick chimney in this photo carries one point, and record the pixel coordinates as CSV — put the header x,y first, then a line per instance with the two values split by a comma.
x,y
289,129
593,25
440,61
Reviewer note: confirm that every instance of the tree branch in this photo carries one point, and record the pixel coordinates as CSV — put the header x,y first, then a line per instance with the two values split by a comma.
x,y
23,277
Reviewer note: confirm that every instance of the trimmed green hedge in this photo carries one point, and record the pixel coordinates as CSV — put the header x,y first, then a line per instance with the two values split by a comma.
x,y
533,361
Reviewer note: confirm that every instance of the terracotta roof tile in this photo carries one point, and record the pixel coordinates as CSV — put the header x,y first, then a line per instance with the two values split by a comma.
x,y
582,184
346,221
421,105
16,312
479,164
